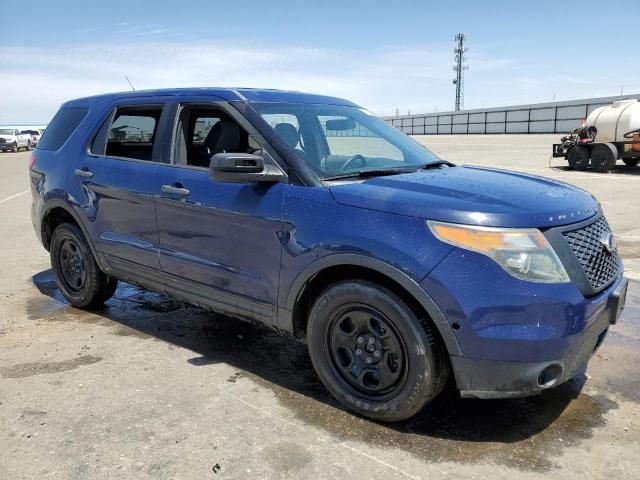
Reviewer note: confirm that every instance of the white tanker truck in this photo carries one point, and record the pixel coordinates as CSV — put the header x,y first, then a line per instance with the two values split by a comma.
x,y
609,133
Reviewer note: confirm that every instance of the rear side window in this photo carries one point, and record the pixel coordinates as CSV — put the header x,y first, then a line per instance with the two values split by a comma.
x,y
136,127
130,133
61,127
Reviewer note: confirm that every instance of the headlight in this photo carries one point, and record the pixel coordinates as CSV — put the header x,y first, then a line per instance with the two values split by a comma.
x,y
524,253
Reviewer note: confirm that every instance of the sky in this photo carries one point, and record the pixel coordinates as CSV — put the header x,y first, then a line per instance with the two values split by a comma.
x,y
383,55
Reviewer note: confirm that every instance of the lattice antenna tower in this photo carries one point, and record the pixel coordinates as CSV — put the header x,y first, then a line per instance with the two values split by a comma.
x,y
459,67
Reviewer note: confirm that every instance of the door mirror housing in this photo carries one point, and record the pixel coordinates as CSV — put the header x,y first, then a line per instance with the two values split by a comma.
x,y
243,168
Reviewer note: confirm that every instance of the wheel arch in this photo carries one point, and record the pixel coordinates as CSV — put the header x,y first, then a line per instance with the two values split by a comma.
x,y
316,277
57,212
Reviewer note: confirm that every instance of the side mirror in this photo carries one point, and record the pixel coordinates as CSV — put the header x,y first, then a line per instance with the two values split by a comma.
x,y
243,168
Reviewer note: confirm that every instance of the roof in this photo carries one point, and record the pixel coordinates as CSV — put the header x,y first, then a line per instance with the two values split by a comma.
x,y
229,94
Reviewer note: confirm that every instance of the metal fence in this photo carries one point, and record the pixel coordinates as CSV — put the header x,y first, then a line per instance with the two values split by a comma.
x,y
556,117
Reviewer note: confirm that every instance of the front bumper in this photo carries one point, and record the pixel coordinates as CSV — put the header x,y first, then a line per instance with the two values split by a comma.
x,y
517,338
478,378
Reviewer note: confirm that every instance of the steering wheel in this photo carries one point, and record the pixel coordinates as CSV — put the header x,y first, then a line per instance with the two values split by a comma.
x,y
352,159
632,133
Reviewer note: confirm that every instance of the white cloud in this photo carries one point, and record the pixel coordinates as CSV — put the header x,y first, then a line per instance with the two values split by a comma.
x,y
35,81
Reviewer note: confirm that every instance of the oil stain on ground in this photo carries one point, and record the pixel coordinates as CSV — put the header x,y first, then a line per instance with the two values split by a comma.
x,y
527,434
30,369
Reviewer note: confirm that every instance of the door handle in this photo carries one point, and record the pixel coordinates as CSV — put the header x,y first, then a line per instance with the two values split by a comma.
x,y
84,172
178,190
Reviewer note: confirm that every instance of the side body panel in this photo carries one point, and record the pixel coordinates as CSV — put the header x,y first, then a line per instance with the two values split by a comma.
x,y
318,230
117,201
223,238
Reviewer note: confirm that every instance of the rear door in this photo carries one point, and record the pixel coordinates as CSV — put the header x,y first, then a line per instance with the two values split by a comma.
x,y
118,180
219,242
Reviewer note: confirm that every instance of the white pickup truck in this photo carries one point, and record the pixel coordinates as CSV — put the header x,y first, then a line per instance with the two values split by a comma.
x,y
11,139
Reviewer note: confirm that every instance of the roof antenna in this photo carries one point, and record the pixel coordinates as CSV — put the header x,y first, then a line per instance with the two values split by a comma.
x,y
130,84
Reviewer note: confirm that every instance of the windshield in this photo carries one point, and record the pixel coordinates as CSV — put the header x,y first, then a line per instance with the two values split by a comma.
x,y
6,131
337,140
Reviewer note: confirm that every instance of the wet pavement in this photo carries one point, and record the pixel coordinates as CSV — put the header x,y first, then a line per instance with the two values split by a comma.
x,y
524,434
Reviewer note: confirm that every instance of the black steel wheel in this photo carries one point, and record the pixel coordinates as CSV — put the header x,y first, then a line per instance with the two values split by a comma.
x,y
578,158
603,158
76,272
373,353
71,265
366,350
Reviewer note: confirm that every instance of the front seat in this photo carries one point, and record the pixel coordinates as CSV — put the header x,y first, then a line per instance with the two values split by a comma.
x,y
224,137
290,135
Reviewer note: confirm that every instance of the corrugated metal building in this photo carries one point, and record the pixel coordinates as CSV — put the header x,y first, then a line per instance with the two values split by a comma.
x,y
556,117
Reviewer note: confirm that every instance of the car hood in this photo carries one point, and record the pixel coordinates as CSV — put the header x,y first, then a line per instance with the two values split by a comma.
x,y
471,195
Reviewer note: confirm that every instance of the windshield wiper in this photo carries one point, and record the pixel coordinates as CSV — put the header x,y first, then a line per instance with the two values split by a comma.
x,y
436,164
379,172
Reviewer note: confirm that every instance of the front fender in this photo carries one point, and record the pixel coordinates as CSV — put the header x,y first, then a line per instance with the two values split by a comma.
x,y
285,320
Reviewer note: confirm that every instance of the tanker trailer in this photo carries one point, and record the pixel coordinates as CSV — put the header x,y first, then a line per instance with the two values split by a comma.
x,y
609,133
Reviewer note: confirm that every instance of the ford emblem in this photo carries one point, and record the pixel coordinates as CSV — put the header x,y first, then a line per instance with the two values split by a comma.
x,y
609,242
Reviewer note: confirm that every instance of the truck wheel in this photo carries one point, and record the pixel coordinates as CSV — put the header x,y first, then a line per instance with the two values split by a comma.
x,y
28,146
76,272
578,158
602,158
14,147
373,353
631,162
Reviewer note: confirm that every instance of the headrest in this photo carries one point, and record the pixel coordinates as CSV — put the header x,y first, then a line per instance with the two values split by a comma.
x,y
223,137
288,133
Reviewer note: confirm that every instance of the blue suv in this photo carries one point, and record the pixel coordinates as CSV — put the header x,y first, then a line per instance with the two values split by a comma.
x,y
307,213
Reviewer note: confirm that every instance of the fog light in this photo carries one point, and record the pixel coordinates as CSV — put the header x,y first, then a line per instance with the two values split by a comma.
x,y
549,376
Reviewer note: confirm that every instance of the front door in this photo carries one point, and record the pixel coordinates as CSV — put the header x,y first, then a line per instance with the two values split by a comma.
x,y
219,242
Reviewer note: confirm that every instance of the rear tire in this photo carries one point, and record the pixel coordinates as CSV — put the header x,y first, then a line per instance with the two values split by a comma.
x,y
76,272
578,158
373,353
631,162
28,146
602,158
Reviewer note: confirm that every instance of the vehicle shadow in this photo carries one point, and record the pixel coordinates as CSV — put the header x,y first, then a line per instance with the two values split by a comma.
x,y
281,362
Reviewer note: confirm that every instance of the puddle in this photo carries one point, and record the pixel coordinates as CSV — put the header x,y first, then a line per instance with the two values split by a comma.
x,y
526,434
30,369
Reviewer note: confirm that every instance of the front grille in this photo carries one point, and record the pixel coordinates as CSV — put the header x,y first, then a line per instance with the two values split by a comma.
x,y
598,263
2,140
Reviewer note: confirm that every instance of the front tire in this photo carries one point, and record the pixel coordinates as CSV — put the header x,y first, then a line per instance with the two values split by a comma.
x,y
75,270
14,147
373,353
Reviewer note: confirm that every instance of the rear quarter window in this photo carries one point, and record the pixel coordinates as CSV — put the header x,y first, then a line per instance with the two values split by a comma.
x,y
61,127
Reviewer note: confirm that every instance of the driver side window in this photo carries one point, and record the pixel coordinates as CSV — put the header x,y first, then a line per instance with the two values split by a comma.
x,y
204,131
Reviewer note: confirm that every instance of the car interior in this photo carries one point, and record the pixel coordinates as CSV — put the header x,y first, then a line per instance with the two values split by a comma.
x,y
203,131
